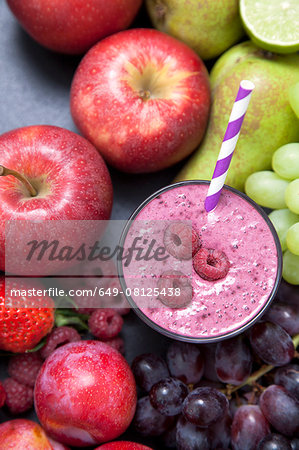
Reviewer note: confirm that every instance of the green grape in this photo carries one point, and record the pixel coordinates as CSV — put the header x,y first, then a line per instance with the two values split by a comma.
x,y
290,271
292,196
292,239
282,220
294,98
267,189
285,161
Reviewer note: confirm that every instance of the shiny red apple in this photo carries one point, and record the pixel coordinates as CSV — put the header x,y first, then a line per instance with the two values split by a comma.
x,y
85,394
65,178
142,98
73,26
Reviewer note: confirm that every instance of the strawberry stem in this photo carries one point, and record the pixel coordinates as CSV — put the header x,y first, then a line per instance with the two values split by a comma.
x,y
77,320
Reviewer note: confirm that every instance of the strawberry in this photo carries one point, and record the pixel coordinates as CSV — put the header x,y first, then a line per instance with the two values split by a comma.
x,y
21,329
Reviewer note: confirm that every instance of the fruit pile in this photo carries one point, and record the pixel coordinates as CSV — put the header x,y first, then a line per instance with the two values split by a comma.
x,y
279,190
144,99
240,393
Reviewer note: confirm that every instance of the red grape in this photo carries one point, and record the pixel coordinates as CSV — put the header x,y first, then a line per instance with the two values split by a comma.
x,y
288,377
274,442
281,409
167,396
220,433
233,360
148,421
288,293
287,316
205,406
272,343
190,437
295,444
185,362
148,369
249,427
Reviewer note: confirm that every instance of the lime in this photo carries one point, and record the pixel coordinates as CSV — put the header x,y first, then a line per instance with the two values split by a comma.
x,y
272,24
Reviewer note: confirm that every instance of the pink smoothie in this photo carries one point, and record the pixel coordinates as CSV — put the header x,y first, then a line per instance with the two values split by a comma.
x,y
234,227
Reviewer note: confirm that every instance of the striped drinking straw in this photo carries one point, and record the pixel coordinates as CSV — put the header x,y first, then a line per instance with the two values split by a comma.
x,y
229,143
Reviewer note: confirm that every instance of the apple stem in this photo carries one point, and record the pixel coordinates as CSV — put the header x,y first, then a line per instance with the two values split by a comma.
x,y
144,95
4,171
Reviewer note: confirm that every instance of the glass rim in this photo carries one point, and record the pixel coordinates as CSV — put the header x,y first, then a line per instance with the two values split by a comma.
x,y
207,339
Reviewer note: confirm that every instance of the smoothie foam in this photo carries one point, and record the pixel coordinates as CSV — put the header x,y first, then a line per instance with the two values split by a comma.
x,y
236,228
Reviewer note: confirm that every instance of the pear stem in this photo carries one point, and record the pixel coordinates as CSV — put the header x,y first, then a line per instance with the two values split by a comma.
x,y
4,171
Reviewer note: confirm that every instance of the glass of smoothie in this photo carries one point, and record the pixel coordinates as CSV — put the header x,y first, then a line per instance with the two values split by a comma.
x,y
235,261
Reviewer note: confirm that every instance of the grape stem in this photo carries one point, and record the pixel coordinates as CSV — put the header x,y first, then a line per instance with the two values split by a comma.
x,y
259,373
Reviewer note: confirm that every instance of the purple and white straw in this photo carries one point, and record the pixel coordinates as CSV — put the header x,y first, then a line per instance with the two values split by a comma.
x,y
229,143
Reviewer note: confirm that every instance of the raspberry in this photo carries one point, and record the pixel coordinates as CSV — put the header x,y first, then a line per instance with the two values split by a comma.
x,y
105,323
2,395
179,240
25,367
58,337
19,398
196,242
171,280
211,264
117,343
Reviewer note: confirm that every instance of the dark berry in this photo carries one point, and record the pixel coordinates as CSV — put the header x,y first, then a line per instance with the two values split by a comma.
x,y
178,239
175,289
105,323
149,369
19,398
167,396
211,264
58,337
25,367
205,406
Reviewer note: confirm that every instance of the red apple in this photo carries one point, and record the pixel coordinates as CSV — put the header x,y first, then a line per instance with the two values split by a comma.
x,y
122,445
142,98
73,26
85,394
70,178
20,434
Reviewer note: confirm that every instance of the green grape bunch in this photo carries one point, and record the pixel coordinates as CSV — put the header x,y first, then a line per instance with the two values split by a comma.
x,y
278,189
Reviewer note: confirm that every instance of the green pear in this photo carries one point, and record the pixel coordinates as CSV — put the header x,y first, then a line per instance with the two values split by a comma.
x,y
208,26
269,122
